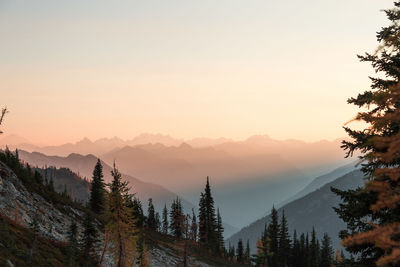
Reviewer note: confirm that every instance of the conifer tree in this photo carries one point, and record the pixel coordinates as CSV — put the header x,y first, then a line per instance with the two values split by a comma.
x,y
295,255
158,222
220,233
165,220
284,242
240,251
303,262
193,227
3,113
372,213
137,212
151,217
207,219
72,244
97,199
273,234
314,250
89,239
177,218
247,252
326,251
121,227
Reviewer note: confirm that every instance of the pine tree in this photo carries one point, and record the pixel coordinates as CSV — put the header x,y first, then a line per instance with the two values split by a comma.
x,y
121,227
137,212
89,239
193,227
151,217
326,251
72,244
284,242
239,251
97,192
303,262
247,252
273,234
207,220
177,218
158,222
373,220
165,220
295,255
220,233
314,249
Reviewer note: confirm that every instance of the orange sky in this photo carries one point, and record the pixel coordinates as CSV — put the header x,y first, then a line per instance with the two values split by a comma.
x,y
232,68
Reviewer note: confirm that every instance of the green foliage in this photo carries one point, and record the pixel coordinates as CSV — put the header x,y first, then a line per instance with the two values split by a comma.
x,y
273,235
284,242
208,234
326,251
89,240
97,193
177,218
151,216
164,228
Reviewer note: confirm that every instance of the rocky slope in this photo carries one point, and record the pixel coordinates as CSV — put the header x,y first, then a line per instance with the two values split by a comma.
x,y
19,207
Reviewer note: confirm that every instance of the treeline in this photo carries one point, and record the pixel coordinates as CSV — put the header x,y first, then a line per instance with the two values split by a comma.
x,y
276,248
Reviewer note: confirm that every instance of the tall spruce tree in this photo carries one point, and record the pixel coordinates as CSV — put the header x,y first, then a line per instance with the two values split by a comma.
x,y
97,192
273,234
207,220
314,249
151,216
240,251
135,205
326,258
220,233
165,220
193,227
89,240
284,242
72,245
372,213
177,218
247,252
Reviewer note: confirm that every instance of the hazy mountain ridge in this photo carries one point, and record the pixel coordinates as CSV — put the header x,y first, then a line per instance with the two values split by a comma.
x,y
314,209
83,166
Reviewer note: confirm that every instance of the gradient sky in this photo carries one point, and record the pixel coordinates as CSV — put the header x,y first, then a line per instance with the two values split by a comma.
x,y
209,68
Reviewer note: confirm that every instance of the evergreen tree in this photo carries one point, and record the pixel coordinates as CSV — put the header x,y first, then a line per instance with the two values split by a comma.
x,y
120,227
303,262
193,227
137,212
239,251
72,244
314,250
34,226
326,251
151,217
207,219
158,222
247,252
97,192
165,220
177,218
372,213
220,233
284,242
89,239
273,234
295,255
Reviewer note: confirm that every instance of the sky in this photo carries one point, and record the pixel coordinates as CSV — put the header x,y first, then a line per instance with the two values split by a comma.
x,y
225,68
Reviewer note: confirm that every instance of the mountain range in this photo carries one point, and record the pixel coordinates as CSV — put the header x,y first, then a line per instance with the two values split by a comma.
x,y
312,210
